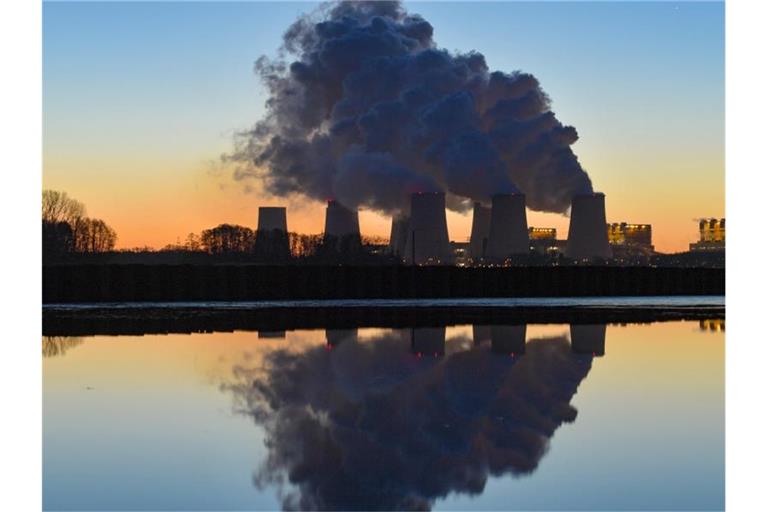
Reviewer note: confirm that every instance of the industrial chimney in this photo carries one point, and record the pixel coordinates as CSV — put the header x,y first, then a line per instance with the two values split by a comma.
x,y
588,339
481,229
272,233
509,227
341,224
427,240
398,235
587,233
508,339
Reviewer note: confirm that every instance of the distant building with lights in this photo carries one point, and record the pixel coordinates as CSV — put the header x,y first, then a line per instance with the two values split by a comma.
x,y
711,235
630,235
544,240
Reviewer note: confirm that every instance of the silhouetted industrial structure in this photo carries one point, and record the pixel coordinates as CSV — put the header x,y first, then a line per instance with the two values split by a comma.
x,y
711,235
587,236
427,241
272,233
544,240
481,230
630,235
509,227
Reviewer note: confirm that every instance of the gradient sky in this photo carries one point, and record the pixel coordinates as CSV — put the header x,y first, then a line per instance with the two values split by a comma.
x,y
141,99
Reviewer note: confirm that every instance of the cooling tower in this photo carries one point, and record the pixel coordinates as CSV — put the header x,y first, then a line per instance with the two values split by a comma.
x,y
508,339
272,218
428,341
272,233
481,229
587,234
427,237
398,235
508,232
341,223
588,339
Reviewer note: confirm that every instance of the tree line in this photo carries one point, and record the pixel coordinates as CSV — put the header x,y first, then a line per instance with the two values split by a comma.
x,y
232,240
69,233
68,230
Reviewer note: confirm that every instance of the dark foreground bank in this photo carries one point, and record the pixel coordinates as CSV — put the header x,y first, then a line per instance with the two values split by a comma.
x,y
161,319
169,283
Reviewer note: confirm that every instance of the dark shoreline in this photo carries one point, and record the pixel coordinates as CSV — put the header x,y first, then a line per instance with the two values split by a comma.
x,y
169,320
189,283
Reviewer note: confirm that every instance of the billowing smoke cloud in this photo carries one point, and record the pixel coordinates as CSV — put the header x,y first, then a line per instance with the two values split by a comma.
x,y
370,109
371,426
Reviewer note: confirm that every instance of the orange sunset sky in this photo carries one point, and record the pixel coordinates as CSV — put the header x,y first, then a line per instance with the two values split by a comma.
x,y
140,101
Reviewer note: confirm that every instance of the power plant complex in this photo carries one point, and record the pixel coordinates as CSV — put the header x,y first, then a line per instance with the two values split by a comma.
x,y
499,232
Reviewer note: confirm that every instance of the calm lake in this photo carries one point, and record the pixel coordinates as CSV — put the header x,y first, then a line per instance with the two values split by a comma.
x,y
489,417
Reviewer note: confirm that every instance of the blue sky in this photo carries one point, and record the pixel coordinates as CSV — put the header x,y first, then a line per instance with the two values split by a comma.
x,y
155,90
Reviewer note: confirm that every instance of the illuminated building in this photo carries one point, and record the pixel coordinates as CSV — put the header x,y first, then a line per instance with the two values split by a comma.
x,y
711,235
542,233
544,240
630,235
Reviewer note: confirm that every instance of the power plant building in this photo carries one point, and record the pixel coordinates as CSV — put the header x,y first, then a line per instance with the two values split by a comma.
x,y
587,236
711,235
544,240
623,234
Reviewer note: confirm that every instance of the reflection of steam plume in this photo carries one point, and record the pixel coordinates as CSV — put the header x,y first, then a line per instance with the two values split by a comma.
x,y
369,426
367,109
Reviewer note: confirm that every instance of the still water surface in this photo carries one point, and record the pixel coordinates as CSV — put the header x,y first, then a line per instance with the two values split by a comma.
x,y
460,417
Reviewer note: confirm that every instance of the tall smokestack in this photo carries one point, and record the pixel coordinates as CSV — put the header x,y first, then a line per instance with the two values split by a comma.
x,y
341,223
587,234
272,232
481,229
588,339
398,235
509,227
427,240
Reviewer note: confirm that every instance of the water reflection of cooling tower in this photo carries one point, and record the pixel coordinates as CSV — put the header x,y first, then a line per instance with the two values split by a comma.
x,y
340,221
587,234
428,340
427,240
272,232
398,235
509,227
508,339
588,339
271,334
481,229
334,337
481,334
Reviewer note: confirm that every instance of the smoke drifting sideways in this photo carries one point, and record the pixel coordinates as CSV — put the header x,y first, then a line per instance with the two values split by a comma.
x,y
370,426
365,108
